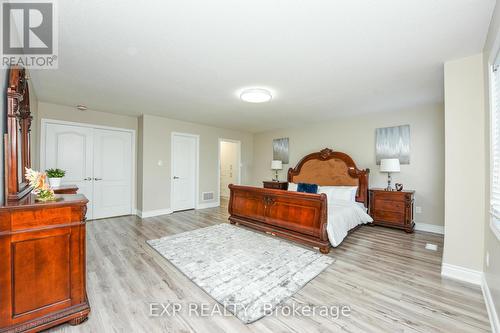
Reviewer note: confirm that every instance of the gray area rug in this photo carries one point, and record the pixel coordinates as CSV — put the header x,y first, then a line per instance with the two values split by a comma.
x,y
247,272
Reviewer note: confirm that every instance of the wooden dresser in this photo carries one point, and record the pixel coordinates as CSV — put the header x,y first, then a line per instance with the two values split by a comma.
x,y
275,185
392,208
42,263
42,244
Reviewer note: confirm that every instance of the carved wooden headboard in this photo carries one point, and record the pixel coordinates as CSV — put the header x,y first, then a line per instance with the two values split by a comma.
x,y
331,168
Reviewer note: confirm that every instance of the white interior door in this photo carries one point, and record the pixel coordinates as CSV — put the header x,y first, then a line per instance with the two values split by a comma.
x,y
112,173
98,161
229,160
184,159
70,148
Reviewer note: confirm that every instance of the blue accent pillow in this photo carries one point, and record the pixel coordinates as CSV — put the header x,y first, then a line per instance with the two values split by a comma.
x,y
307,188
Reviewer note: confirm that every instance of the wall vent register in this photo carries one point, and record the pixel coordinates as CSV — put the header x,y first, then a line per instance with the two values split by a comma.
x,y
208,196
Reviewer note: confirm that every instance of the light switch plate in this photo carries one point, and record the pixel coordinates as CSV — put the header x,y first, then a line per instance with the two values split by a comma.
x,y
418,210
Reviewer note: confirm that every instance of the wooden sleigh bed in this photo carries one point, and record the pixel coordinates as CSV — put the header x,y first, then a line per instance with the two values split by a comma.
x,y
297,216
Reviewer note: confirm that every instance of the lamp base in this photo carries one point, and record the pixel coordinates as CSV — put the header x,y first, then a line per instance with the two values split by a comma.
x,y
389,188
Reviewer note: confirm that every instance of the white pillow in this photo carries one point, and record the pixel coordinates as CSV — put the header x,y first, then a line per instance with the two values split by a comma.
x,y
345,193
292,187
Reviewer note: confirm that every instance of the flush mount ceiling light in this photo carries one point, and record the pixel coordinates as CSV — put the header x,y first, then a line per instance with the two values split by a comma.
x,y
256,95
81,107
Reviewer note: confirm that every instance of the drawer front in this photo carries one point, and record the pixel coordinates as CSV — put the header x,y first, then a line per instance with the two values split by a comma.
x,y
22,220
390,217
389,206
390,195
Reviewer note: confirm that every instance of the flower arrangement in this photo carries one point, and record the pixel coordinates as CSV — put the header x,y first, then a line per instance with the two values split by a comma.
x,y
38,180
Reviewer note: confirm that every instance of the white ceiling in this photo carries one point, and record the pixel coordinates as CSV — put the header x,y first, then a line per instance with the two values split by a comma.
x,y
186,59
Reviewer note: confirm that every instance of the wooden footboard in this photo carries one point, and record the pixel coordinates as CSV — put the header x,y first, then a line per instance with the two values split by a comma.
x,y
301,217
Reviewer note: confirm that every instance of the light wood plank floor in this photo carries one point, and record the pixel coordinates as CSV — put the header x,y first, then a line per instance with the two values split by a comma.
x,y
389,280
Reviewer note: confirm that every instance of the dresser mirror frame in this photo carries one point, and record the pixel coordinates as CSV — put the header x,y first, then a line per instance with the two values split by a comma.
x,y
17,139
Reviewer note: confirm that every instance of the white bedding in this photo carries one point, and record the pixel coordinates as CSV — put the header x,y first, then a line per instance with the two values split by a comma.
x,y
342,217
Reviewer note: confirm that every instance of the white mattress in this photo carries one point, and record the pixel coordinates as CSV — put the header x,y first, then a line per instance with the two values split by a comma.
x,y
342,217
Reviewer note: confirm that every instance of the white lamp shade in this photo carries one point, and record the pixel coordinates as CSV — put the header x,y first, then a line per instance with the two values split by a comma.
x,y
276,165
389,165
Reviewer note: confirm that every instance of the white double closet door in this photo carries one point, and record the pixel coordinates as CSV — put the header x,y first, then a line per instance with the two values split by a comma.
x,y
99,161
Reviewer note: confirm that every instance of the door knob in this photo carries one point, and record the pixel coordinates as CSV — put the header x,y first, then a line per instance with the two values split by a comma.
x,y
97,178
175,177
88,178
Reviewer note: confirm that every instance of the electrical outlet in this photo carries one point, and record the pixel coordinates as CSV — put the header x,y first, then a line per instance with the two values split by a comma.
x,y
418,210
487,259
430,246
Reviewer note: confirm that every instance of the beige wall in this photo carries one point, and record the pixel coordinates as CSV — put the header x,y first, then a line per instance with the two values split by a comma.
x,y
92,117
156,136
356,137
492,243
465,163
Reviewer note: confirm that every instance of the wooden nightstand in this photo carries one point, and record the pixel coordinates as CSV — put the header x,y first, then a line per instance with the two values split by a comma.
x,y
392,208
275,185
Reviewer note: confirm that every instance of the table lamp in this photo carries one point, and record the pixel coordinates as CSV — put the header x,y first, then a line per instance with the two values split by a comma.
x,y
276,165
389,165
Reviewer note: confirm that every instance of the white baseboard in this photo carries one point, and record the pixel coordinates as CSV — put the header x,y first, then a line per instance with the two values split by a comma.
x,y
490,306
437,229
166,211
478,278
208,205
151,213
462,274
